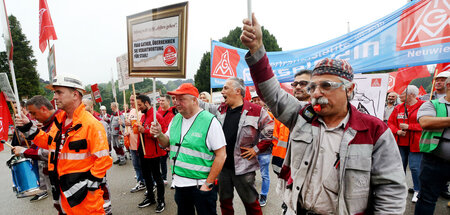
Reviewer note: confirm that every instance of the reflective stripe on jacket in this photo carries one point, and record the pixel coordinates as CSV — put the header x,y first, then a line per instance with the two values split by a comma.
x,y
83,158
431,138
191,158
280,145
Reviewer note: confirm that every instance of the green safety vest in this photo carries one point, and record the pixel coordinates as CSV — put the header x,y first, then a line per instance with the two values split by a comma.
x,y
191,158
430,138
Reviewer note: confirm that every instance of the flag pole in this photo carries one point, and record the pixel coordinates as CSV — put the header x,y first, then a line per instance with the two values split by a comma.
x,y
15,128
432,83
154,99
137,114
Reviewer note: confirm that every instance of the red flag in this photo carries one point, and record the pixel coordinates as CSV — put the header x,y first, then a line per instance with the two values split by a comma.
x,y
46,29
422,91
5,119
247,97
400,79
96,92
441,67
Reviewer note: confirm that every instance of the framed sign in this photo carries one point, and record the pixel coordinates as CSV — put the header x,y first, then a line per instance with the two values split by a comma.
x,y
157,42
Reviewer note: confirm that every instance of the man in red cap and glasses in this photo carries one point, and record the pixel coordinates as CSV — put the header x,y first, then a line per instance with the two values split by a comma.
x,y
197,150
339,160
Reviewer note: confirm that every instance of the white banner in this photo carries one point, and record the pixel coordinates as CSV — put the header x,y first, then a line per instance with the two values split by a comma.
x,y
6,87
370,93
122,73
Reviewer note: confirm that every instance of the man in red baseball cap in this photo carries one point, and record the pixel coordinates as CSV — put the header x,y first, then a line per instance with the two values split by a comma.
x,y
197,148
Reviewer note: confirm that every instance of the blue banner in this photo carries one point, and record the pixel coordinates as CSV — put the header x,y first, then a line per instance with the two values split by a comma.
x,y
416,34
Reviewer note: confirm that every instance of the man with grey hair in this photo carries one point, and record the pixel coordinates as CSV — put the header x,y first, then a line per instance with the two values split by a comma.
x,y
391,102
434,118
248,131
407,131
42,111
116,131
340,161
439,87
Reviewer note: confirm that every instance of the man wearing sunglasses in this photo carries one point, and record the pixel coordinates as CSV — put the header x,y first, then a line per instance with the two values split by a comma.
x,y
301,80
339,160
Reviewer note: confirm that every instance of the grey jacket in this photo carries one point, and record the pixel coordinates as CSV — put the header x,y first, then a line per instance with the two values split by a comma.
x,y
255,131
371,178
114,126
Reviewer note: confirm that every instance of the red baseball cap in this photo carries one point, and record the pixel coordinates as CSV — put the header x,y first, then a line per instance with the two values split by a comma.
x,y
185,88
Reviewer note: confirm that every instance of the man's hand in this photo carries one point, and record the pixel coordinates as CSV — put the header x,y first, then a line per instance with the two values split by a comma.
x,y
127,122
120,121
141,128
205,188
18,150
155,129
401,133
22,120
404,126
251,36
248,153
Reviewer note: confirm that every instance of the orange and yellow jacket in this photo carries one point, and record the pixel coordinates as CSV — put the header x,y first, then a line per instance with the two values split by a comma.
x,y
280,145
84,156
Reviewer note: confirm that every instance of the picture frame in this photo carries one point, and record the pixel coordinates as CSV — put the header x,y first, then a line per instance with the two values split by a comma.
x,y
157,41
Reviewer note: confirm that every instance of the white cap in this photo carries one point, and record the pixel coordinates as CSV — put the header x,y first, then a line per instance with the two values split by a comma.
x,y
444,74
103,107
253,94
67,80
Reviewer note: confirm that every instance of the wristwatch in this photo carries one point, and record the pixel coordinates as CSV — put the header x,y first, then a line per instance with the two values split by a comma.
x,y
209,185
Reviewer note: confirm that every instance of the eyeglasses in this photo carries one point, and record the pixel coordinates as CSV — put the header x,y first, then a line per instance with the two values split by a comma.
x,y
324,86
301,83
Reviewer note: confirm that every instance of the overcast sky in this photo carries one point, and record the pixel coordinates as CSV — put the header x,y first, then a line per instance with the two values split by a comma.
x,y
91,34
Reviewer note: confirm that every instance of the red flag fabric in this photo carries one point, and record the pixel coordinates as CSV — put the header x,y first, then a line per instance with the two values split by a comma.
x,y
5,119
400,79
248,96
422,91
441,67
46,28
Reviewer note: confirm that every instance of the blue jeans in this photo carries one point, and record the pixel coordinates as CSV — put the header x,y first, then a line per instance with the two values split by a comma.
x,y
435,172
414,159
189,199
164,166
264,162
137,165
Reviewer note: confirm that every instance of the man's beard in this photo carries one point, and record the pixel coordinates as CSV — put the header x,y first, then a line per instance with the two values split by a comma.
x,y
302,95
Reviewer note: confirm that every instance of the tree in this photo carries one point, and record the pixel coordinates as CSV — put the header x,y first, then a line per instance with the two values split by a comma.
x,y
27,78
202,77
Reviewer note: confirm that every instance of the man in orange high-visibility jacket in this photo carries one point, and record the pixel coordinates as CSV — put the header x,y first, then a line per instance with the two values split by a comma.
x,y
77,168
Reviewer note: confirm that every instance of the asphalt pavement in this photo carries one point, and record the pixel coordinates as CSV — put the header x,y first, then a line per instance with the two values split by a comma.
x,y
121,180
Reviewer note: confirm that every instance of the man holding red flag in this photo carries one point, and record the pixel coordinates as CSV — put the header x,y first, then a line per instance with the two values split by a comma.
x,y
46,28
439,86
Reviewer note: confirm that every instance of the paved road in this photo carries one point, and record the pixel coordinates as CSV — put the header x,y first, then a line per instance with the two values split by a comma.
x,y
121,180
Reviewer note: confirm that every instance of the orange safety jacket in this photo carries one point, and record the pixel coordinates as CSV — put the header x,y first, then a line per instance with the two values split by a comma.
x,y
280,145
82,161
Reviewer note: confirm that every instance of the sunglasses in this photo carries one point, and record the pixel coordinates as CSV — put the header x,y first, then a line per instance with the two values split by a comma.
x,y
324,86
301,83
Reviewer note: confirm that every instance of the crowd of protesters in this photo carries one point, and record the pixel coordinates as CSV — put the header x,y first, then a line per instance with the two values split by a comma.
x,y
329,157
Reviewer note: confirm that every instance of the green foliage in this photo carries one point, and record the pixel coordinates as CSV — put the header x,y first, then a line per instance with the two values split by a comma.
x,y
202,77
27,78
145,87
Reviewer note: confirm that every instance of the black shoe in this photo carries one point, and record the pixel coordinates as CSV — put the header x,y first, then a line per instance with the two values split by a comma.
x,y
117,161
146,203
160,207
39,197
